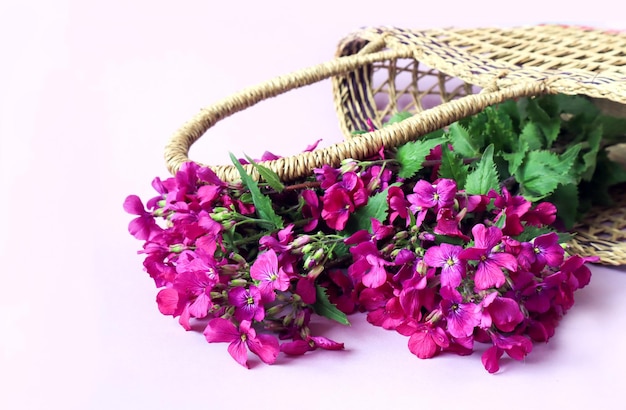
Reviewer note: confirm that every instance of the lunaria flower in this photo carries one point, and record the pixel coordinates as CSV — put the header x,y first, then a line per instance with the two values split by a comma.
x,y
446,257
271,277
242,339
490,260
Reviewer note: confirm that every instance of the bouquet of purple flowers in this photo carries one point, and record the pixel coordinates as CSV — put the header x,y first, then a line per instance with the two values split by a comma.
x,y
457,238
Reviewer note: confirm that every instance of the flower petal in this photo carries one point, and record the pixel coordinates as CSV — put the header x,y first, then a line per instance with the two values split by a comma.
x,y
264,346
221,330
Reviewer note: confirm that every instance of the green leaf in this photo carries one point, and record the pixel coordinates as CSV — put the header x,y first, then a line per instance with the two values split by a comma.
x,y
565,198
485,177
323,307
261,202
499,129
614,128
576,105
398,117
516,158
452,167
542,171
412,155
549,126
461,141
531,232
269,176
532,136
376,207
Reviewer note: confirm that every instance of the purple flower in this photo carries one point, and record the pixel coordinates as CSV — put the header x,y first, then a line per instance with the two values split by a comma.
x,y
438,195
311,209
247,303
398,204
548,251
461,317
337,208
490,261
516,346
271,278
446,257
426,340
505,313
143,227
222,330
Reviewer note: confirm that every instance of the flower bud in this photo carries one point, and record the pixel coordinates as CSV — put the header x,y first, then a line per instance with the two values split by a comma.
x,y
237,258
300,319
426,236
177,248
308,248
238,282
388,249
314,259
161,203
300,241
349,165
274,310
316,271
400,236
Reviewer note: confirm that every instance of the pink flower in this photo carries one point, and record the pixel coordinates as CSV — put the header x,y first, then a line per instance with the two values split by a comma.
x,y
388,316
490,261
310,209
426,340
300,346
438,195
505,313
222,330
446,257
143,227
398,204
337,208
517,347
247,303
271,278
548,251
461,317
543,214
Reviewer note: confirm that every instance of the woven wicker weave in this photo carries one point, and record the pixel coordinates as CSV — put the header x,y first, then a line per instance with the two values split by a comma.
x,y
442,76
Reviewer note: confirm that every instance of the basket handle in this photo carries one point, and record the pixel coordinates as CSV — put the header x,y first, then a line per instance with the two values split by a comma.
x,y
358,147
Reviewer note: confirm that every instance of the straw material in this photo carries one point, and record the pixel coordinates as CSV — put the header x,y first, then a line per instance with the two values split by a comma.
x,y
442,76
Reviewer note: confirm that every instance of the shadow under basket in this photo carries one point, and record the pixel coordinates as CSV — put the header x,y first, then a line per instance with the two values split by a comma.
x,y
442,76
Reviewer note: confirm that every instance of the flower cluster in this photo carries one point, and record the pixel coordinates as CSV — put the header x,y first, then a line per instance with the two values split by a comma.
x,y
254,262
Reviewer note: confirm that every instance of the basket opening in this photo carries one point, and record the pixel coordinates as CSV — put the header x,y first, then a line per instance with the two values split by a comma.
x,y
405,85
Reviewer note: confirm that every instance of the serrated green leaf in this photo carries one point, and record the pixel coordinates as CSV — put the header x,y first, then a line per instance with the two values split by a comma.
x,y
376,207
549,126
542,171
324,307
532,136
452,167
269,176
499,129
461,141
411,155
262,203
485,177
398,117
516,158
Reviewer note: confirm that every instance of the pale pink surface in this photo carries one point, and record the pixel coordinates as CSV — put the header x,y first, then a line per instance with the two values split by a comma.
x,y
89,94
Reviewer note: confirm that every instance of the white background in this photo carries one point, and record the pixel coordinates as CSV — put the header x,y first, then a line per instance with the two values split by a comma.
x,y
89,94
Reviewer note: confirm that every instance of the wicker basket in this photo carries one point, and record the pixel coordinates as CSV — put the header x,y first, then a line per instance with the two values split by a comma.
x,y
443,76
